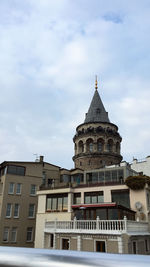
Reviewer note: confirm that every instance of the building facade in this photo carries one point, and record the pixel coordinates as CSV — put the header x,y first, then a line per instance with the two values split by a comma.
x,y
91,208
19,182
142,166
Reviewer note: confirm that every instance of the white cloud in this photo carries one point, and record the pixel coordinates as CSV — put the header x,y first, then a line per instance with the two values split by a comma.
x,y
50,53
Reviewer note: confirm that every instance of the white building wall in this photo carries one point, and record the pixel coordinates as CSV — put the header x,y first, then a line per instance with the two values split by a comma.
x,y
142,165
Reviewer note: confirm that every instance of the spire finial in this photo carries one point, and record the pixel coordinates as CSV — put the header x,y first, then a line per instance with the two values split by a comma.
x,y
96,87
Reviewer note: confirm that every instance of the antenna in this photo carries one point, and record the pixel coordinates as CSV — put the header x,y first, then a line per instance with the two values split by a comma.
x,y
36,157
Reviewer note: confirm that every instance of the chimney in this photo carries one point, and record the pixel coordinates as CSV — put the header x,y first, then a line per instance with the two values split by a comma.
x,y
41,158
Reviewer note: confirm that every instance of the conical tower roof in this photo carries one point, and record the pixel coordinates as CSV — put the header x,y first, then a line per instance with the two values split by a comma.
x,y
96,112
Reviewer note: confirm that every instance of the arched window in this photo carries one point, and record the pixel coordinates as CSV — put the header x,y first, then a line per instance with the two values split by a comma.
x,y
89,145
100,145
80,147
110,145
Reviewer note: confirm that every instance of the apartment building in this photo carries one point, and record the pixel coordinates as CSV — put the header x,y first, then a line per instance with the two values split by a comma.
x,y
92,208
19,182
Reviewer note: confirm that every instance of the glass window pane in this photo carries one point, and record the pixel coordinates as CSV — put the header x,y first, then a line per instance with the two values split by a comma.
x,y
33,189
60,201
54,203
100,198
11,188
77,198
102,213
29,234
112,214
94,177
121,198
65,203
101,176
14,234
87,199
8,210
114,176
17,170
49,203
31,210
107,176
18,189
6,234
16,210
94,199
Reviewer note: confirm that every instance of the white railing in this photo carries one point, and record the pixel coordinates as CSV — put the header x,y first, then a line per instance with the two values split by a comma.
x,y
96,226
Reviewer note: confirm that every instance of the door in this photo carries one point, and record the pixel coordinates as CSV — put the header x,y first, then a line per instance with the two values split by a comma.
x,y
65,243
100,246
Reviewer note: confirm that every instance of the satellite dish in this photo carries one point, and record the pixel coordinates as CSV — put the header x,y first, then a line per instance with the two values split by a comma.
x,y
138,206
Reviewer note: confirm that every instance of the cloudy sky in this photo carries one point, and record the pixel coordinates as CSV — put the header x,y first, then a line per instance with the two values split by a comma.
x,y
50,51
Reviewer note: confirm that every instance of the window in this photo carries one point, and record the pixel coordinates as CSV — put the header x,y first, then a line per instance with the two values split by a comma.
x,y
16,211
57,202
77,198
33,190
6,234
11,188
91,147
17,170
13,234
93,197
29,234
110,145
51,240
121,197
8,210
92,177
31,211
18,189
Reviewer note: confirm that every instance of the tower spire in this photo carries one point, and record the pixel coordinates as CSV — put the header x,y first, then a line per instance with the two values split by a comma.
x,y
96,86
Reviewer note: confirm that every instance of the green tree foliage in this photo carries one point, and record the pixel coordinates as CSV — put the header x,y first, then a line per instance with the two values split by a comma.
x,y
137,182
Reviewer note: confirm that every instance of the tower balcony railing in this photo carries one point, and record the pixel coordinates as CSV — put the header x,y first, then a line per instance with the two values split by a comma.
x,y
97,226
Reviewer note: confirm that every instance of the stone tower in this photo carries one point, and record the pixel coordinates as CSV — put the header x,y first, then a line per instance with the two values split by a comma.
x,y
97,141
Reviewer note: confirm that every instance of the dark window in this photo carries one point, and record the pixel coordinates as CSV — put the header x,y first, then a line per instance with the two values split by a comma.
x,y
100,246
112,214
29,234
57,202
101,177
92,177
102,214
77,178
77,198
17,170
121,197
107,176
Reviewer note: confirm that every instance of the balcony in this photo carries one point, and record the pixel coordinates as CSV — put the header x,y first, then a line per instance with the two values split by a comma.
x,y
97,226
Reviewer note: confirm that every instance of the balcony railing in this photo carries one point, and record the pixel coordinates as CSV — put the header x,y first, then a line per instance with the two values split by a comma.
x,y
96,226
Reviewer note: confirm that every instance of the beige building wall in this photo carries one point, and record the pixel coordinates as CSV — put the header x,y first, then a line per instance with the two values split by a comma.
x,y
33,176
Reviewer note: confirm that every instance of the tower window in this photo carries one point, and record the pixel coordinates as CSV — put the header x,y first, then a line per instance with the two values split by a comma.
x,y
91,147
